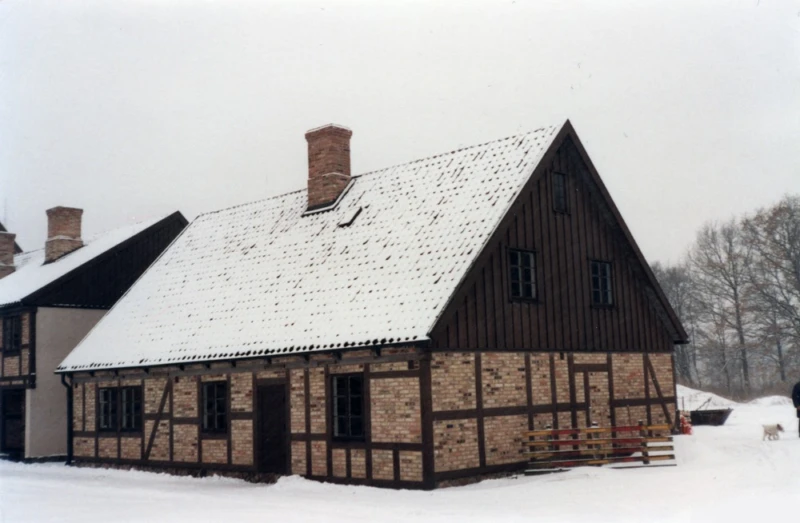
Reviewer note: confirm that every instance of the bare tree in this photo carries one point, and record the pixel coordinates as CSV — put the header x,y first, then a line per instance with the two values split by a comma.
x,y
773,235
676,282
720,260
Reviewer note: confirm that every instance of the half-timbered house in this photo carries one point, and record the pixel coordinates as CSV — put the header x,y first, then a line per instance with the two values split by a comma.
x,y
49,299
400,328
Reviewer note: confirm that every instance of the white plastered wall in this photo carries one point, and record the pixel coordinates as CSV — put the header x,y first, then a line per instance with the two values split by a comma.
x,y
58,331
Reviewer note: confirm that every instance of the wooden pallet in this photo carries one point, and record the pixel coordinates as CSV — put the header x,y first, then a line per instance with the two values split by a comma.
x,y
561,449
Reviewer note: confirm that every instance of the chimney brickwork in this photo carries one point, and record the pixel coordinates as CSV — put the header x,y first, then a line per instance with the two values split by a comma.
x,y
328,164
6,253
63,232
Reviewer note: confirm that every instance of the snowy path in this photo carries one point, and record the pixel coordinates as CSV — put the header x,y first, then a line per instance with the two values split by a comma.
x,y
724,474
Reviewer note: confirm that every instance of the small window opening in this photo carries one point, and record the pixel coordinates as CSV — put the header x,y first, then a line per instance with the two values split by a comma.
x,y
560,192
602,294
522,274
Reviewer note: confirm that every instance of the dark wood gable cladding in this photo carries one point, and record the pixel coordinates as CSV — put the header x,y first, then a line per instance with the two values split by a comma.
x,y
483,315
102,281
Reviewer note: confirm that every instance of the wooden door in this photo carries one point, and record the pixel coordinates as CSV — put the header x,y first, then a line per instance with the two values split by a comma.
x,y
12,440
272,429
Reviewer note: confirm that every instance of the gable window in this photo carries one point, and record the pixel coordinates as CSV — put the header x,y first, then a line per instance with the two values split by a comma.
x,y
348,407
215,416
522,274
119,409
602,294
12,333
560,192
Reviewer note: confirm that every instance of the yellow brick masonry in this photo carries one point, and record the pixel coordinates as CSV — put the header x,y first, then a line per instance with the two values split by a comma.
x,y
396,412
185,440
185,397
503,379
242,392
455,444
242,442
453,381
339,461
410,466
503,382
215,451
382,464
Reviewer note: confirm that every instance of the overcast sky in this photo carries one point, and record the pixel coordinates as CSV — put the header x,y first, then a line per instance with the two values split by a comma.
x,y
130,109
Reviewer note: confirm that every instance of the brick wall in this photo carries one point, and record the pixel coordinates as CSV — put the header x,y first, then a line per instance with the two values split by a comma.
x,y
503,379
504,439
455,444
316,383
319,458
297,399
107,448
83,447
410,466
453,381
382,464
395,407
185,397
298,458
130,448
628,375
358,463
339,462
185,438
242,392
242,442
215,450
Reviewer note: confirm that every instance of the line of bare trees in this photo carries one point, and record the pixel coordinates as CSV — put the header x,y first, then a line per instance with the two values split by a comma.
x,y
737,292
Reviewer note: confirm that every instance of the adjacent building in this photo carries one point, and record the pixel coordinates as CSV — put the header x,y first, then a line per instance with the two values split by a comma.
x,y
400,328
49,299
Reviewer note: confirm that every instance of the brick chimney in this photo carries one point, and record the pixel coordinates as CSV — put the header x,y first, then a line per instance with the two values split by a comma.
x,y
63,232
6,253
328,164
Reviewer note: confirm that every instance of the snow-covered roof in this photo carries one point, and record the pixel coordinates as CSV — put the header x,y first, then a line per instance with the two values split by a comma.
x,y
32,273
265,279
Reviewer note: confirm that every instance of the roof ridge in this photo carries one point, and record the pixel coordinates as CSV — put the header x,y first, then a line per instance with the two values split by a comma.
x,y
375,171
454,151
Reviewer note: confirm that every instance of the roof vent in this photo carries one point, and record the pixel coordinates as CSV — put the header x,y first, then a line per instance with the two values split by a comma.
x,y
349,217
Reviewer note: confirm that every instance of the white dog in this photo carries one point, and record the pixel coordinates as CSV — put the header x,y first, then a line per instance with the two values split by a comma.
x,y
772,432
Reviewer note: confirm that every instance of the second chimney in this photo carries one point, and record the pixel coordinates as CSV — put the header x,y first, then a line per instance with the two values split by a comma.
x,y
63,232
6,253
328,164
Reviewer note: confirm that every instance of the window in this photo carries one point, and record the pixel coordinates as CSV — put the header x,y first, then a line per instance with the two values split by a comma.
x,y
215,403
522,274
12,333
601,284
560,192
348,407
131,409
120,409
108,409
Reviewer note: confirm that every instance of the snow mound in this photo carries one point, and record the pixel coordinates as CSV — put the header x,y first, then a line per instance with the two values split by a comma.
x,y
692,399
772,401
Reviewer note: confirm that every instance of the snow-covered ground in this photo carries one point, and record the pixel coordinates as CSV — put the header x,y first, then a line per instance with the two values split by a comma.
x,y
724,474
